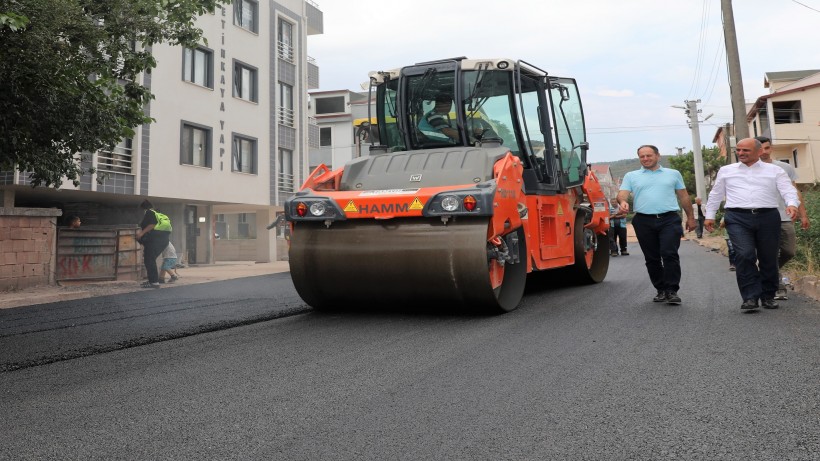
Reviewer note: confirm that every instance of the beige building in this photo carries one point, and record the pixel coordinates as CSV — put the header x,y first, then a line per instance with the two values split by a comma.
x,y
334,114
608,184
789,115
229,145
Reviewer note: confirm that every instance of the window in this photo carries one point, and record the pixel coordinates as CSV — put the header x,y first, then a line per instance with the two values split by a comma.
x,y
245,14
245,82
243,158
332,105
794,157
325,138
787,112
117,160
285,104
197,66
195,145
285,45
285,167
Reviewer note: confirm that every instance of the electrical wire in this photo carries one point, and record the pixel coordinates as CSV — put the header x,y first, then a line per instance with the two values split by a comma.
x,y
701,45
807,6
712,83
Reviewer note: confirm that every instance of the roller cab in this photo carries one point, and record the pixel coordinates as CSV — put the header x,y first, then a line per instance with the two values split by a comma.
x,y
458,202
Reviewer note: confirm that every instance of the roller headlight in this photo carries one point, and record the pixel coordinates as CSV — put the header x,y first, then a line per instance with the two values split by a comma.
x,y
309,207
318,209
475,201
450,203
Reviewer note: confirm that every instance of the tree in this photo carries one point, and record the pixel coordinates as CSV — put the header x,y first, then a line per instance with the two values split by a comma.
x,y
712,161
69,76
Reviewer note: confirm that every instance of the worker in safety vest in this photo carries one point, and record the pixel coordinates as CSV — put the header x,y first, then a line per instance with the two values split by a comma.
x,y
154,235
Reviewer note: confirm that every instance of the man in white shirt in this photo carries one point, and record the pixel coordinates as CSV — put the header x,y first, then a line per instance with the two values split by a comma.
x,y
788,236
751,189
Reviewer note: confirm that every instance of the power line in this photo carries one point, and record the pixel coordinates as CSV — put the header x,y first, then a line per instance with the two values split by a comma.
x,y
640,126
714,74
807,6
701,46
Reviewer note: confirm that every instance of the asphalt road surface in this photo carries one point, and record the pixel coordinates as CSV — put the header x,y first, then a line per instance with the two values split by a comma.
x,y
241,369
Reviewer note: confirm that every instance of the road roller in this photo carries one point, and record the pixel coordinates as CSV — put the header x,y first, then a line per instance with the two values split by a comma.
x,y
476,177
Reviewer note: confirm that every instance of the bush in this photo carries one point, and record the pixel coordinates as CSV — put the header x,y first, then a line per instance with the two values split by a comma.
x,y
807,258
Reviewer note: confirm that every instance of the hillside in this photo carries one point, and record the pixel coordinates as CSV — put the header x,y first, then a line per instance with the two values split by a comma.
x,y
620,167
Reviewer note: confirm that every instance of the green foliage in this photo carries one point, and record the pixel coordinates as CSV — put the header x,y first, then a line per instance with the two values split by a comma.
x,y
807,258
70,76
619,168
13,21
685,164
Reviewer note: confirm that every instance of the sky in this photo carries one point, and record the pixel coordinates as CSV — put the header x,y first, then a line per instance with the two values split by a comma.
x,y
633,59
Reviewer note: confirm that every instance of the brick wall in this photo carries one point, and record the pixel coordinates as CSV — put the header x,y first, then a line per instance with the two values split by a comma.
x,y
27,242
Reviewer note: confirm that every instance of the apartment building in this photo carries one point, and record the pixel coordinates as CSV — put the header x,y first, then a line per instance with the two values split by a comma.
x,y
608,184
789,116
229,144
338,117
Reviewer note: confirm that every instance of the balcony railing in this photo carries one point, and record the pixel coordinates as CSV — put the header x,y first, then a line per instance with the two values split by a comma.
x,y
285,52
285,116
284,182
117,161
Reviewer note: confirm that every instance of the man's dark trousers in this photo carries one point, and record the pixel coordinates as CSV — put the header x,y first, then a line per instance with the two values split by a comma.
x,y
755,238
659,237
154,243
617,236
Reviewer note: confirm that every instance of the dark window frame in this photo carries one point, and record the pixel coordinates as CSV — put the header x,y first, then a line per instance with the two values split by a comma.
x,y
787,112
238,17
239,66
329,131
236,159
183,132
209,66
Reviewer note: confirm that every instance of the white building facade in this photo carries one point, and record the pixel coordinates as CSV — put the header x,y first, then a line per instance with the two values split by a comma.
x,y
229,143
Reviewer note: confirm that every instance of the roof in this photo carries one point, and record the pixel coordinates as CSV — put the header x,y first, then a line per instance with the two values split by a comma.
x,y
787,76
600,168
809,79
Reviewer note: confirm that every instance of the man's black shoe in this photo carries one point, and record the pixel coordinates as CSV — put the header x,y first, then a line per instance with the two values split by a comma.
x,y
613,253
749,304
769,304
660,297
672,298
624,253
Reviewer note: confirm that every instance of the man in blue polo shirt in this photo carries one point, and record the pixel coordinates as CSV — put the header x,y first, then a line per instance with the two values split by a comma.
x,y
656,193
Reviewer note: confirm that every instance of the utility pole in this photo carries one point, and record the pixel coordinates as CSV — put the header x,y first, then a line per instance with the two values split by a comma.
x,y
733,62
692,111
727,143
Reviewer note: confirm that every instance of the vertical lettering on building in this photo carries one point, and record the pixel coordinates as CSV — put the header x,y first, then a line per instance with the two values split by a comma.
x,y
222,69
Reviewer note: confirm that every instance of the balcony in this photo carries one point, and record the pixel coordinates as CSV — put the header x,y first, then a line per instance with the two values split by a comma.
x,y
284,183
284,52
315,18
313,74
285,116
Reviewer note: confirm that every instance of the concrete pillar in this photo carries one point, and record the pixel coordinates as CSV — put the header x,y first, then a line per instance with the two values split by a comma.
x,y
265,239
7,196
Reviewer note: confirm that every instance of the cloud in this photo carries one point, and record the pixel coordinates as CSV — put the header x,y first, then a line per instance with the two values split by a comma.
x,y
632,60
615,93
